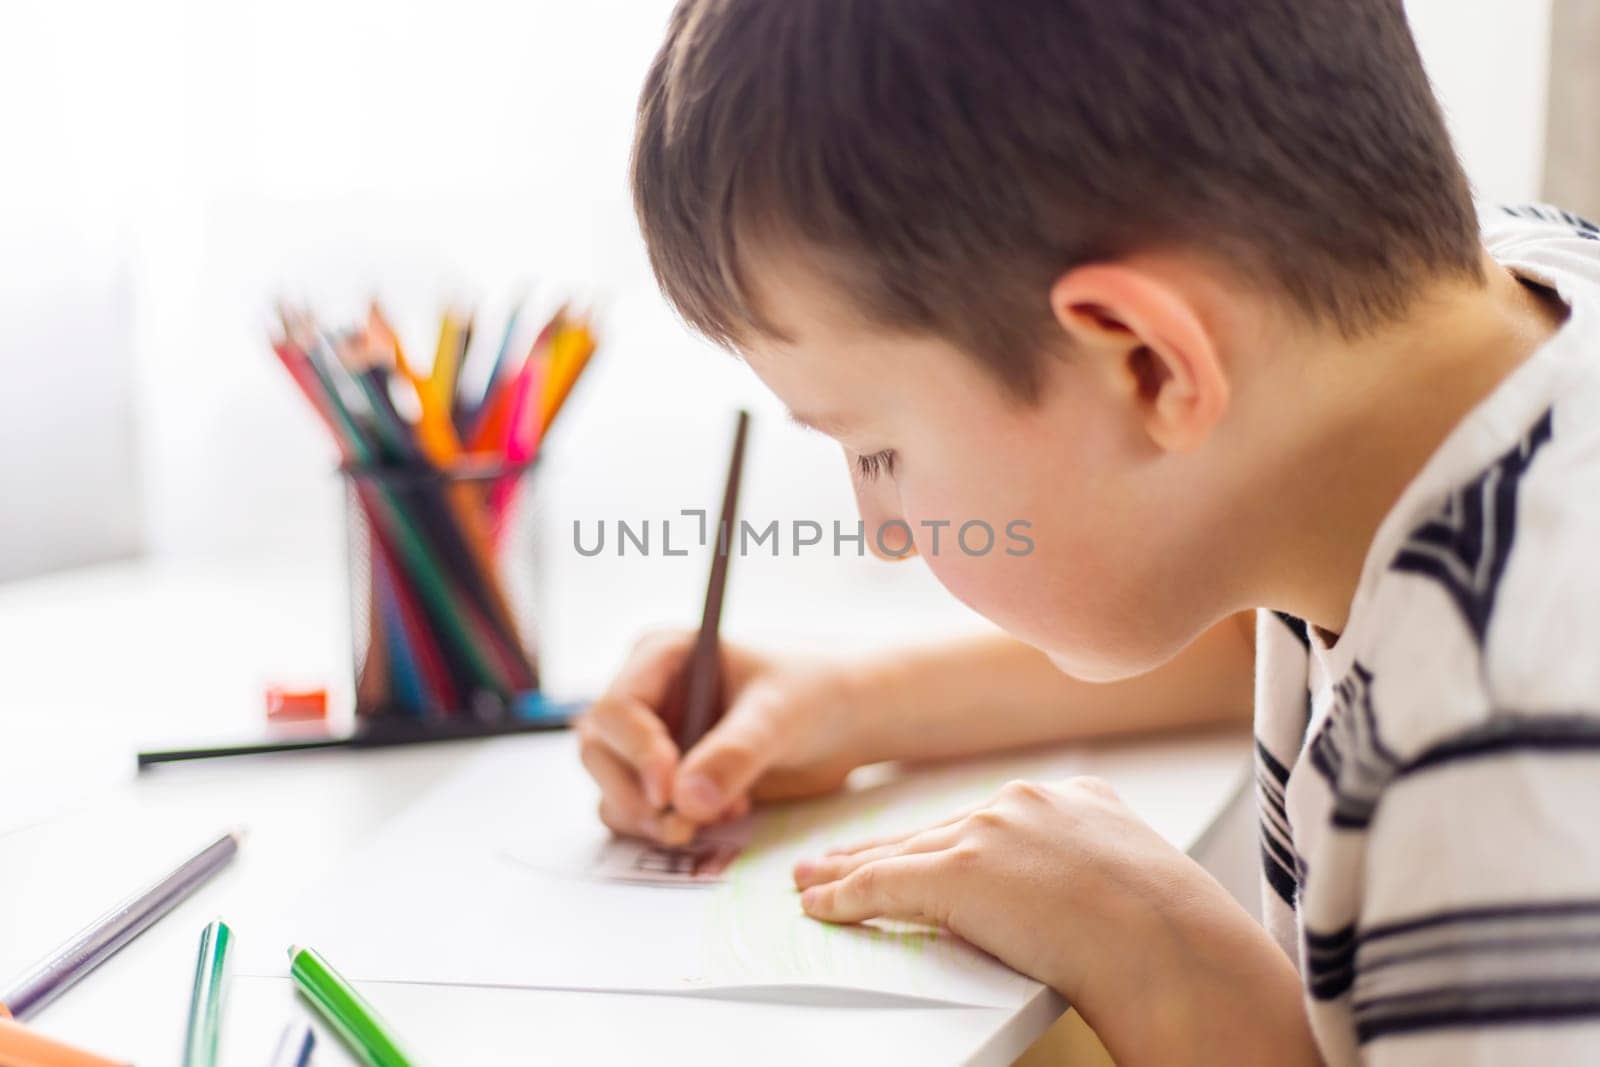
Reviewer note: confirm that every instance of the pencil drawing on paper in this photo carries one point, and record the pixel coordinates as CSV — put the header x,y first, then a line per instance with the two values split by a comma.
x,y
702,862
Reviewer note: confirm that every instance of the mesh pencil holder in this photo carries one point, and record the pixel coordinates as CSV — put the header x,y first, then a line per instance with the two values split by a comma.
x,y
443,582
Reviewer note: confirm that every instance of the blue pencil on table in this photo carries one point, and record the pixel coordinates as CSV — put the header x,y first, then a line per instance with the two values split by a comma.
x,y
295,1045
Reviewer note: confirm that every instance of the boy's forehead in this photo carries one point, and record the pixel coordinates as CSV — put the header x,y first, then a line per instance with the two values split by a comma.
x,y
823,422
796,301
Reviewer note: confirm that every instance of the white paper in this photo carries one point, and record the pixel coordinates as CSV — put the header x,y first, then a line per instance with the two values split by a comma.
x,y
503,876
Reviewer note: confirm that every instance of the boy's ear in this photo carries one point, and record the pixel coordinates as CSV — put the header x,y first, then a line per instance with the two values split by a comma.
x,y
1151,345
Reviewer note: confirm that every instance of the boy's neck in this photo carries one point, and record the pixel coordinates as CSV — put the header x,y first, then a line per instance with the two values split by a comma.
x,y
1371,414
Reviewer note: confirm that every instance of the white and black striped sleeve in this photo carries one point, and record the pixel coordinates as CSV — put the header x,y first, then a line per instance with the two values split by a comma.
x,y
1479,936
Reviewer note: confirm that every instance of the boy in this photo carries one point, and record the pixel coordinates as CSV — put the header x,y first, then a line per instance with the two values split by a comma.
x,y
1196,288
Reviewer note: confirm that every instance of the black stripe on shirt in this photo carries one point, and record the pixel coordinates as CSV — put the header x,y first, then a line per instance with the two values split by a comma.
x,y
1350,754
1279,772
1330,961
1550,213
1279,852
1533,911
1325,754
1465,547
1272,811
1279,877
1474,1006
1277,861
1342,746
1423,951
1507,732
1333,958
1297,627
1482,946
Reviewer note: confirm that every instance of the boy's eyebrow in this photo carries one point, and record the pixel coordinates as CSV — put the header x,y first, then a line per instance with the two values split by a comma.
x,y
825,424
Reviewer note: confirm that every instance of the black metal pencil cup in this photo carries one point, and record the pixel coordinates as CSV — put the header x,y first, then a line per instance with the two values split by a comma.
x,y
443,579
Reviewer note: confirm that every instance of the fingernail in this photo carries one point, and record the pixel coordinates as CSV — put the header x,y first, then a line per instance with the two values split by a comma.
x,y
805,868
703,791
811,898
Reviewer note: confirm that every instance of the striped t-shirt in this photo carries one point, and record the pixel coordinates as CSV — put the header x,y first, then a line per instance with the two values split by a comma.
x,y
1429,786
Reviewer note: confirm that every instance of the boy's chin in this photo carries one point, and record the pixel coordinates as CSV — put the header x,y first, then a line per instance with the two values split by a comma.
x,y
1093,667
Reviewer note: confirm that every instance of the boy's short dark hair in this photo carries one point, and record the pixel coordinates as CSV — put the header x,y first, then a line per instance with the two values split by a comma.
x,y
947,160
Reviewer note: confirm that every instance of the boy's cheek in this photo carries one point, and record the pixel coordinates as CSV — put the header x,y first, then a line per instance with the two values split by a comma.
x,y
1009,590
1063,604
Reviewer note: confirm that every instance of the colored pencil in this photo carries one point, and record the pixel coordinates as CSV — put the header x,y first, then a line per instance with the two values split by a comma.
x,y
533,713
205,1000
295,1045
569,354
22,1047
475,414
697,691
346,1010
98,941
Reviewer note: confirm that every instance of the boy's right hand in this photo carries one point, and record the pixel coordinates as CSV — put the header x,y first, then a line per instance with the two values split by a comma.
x,y
787,730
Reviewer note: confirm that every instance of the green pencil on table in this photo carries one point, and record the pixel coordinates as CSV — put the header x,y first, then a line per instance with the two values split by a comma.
x,y
346,1010
205,1002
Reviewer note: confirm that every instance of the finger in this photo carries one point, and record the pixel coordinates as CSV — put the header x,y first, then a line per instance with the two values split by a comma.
x,y
630,812
673,830
670,830
638,736
831,868
890,839
618,820
722,767
651,668
904,887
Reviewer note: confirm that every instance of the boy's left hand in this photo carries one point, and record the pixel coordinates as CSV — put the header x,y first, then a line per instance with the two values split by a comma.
x,y
1067,885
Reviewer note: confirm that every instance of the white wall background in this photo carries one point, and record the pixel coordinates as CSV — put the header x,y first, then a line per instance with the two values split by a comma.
x,y
180,163
1489,61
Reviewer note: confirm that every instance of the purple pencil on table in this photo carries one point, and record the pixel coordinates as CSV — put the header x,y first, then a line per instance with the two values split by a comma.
x,y
101,939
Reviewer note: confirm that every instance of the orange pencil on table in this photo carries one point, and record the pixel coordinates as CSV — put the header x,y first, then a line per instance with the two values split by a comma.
x,y
23,1047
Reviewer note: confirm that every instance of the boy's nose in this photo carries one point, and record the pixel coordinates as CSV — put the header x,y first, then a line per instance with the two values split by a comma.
x,y
892,542
887,532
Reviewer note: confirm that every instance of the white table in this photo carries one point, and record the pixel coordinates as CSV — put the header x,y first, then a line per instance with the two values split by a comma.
x,y
98,662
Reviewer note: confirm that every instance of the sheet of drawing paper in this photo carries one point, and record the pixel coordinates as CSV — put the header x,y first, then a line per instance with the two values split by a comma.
x,y
503,876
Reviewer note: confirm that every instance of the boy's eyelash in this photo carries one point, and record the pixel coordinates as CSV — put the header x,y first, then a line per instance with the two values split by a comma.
x,y
876,463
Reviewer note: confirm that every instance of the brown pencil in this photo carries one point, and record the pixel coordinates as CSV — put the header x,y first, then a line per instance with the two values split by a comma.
x,y
698,688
